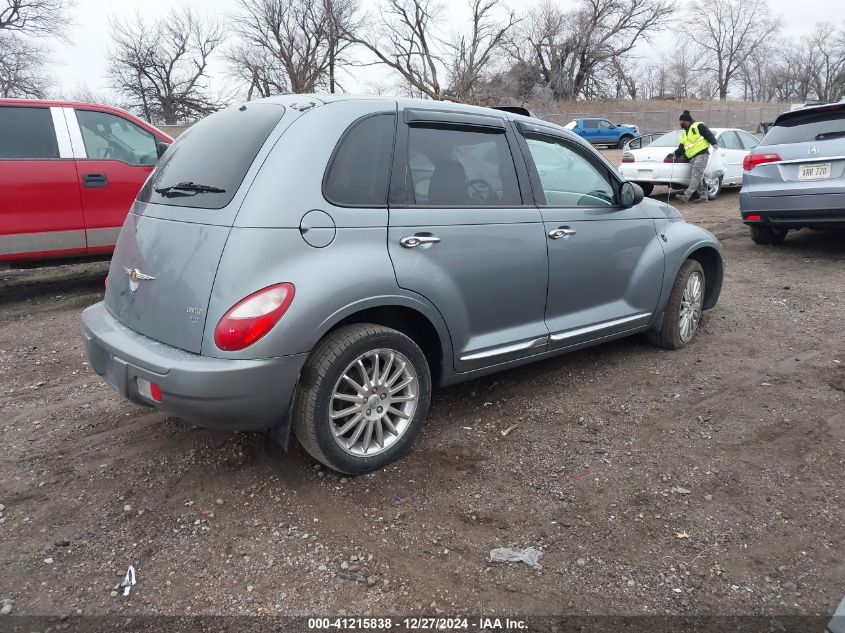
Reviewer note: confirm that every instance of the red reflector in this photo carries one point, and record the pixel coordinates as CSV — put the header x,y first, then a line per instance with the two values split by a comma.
x,y
752,160
752,218
155,392
628,158
252,317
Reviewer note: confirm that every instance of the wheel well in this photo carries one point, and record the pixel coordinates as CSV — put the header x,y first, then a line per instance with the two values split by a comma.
x,y
711,262
409,322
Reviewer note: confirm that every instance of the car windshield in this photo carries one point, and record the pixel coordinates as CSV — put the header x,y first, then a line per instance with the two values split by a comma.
x,y
806,127
670,139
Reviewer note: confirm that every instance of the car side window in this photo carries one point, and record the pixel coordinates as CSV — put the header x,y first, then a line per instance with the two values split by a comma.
x,y
458,167
606,125
110,137
568,178
359,171
27,134
748,140
591,123
729,140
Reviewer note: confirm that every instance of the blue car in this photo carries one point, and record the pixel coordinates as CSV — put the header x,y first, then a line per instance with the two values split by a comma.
x,y
603,132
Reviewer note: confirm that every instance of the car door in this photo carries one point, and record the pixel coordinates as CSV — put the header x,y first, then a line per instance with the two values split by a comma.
x,y
607,132
119,155
591,130
40,208
733,154
460,235
605,262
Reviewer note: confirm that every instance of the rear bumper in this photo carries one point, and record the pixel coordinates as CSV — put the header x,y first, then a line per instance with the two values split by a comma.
x,y
795,211
237,395
657,173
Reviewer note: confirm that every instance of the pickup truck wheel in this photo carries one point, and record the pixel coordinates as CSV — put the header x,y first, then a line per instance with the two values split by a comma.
x,y
363,396
767,234
624,139
683,312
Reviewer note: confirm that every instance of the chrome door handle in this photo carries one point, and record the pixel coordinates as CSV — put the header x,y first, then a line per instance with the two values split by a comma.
x,y
562,231
412,241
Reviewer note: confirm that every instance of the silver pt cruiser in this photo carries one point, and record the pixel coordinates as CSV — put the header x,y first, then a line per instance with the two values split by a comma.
x,y
318,264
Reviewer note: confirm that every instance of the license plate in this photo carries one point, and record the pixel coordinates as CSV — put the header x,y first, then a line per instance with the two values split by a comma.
x,y
814,171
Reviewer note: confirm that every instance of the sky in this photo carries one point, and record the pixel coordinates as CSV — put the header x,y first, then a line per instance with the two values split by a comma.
x,y
83,60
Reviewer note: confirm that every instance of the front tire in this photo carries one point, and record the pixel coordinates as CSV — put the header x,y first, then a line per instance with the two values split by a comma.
x,y
714,189
767,234
362,399
682,316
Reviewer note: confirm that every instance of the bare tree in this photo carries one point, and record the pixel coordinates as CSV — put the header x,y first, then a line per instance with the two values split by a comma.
x,y
161,67
407,37
84,93
469,56
404,39
827,62
22,65
570,50
38,18
294,45
727,33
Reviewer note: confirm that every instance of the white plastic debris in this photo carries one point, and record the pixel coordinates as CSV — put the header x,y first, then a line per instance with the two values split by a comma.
x,y
128,581
530,556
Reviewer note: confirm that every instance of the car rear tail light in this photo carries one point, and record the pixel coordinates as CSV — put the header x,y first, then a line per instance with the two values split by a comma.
x,y
752,218
252,317
752,160
149,390
628,157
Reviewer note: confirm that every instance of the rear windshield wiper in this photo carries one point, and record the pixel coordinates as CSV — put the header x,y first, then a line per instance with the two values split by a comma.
x,y
826,135
187,189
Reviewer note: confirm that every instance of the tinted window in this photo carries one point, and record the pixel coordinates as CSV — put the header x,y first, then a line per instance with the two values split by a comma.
x,y
729,140
568,178
27,133
110,137
457,168
217,152
607,125
360,169
806,127
748,141
591,123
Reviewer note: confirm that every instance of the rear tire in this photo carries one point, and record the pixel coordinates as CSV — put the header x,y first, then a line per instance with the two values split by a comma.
x,y
767,234
671,334
623,140
356,351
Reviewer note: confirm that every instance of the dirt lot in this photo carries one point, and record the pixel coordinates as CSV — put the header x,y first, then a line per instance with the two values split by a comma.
x,y
708,480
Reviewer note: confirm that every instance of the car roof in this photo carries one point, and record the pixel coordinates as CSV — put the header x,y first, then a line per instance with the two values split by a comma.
x,y
289,99
801,112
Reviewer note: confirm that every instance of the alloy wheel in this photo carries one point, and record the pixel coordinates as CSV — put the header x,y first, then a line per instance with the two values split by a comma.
x,y
691,303
373,402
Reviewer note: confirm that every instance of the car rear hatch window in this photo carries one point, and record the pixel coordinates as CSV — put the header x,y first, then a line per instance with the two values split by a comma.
x,y
806,127
207,164
166,258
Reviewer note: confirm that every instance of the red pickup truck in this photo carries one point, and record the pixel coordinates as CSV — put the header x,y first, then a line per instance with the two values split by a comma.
x,y
68,175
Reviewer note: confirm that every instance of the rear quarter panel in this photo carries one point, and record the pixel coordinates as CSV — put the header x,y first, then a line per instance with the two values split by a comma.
x,y
265,246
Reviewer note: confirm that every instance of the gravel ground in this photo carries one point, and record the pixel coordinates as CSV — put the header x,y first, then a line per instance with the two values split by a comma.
x,y
707,480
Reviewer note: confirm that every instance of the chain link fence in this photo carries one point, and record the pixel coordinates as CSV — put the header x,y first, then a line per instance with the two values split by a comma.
x,y
743,115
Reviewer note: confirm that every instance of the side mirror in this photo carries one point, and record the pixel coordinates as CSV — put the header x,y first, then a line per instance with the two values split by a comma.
x,y
161,148
630,194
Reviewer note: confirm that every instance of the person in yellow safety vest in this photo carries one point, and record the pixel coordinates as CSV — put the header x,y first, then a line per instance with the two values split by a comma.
x,y
696,140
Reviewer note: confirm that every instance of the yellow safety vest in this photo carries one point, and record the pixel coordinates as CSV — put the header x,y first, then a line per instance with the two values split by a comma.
x,y
693,141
